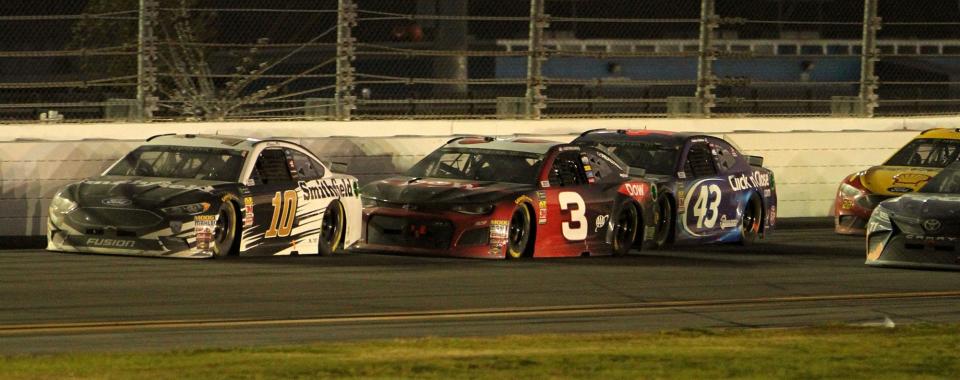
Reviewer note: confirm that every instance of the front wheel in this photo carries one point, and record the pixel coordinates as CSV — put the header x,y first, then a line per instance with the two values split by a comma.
x,y
751,220
331,229
225,230
519,232
625,232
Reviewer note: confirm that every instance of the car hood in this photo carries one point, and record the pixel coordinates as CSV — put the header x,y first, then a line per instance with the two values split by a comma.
x,y
926,213
437,190
140,192
896,180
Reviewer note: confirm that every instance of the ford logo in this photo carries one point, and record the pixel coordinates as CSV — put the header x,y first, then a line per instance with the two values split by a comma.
x,y
116,202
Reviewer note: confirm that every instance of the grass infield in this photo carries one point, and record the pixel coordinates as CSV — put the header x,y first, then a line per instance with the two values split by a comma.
x,y
914,351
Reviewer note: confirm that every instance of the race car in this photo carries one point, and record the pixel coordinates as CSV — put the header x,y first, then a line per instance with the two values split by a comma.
x,y
709,191
199,196
481,197
919,229
907,170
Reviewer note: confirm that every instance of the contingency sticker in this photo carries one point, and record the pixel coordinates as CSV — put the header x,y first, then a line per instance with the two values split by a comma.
x,y
542,205
248,211
204,226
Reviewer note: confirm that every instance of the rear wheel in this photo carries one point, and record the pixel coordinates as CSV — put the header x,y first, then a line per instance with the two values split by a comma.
x,y
331,229
751,220
625,232
519,232
664,222
225,230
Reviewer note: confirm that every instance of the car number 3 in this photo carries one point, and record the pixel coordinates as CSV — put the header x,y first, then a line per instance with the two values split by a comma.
x,y
705,206
577,215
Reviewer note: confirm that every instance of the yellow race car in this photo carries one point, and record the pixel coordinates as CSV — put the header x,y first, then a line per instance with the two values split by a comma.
x,y
905,172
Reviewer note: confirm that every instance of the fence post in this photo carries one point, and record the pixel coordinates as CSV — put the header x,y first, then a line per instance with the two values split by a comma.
x,y
868,59
535,101
344,101
706,81
146,55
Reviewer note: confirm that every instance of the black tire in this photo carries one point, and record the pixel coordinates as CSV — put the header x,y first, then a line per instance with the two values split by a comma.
x,y
751,221
331,229
519,233
625,232
664,222
225,231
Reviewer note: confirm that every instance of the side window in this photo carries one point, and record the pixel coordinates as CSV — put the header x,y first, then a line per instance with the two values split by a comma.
x,y
603,167
271,168
727,156
566,170
700,161
306,167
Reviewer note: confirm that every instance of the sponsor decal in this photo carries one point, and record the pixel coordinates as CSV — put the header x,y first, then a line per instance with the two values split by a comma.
x,y
204,226
545,184
767,193
635,189
846,204
899,189
481,223
110,243
499,230
569,148
772,219
681,175
176,226
932,225
542,205
649,233
607,158
247,211
742,182
116,202
142,183
910,179
601,222
250,182
326,188
724,223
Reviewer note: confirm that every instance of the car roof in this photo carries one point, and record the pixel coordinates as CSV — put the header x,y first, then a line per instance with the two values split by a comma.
x,y
940,133
518,144
647,135
204,141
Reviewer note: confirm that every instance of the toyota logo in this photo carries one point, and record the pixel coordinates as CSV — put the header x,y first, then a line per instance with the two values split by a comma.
x,y
932,225
116,202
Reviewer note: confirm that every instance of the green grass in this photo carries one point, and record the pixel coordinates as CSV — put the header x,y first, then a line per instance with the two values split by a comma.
x,y
917,351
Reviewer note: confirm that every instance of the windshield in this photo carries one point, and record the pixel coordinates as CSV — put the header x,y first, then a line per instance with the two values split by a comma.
x,y
656,158
479,165
181,162
947,181
931,153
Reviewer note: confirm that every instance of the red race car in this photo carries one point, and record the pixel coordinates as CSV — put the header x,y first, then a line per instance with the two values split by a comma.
x,y
486,198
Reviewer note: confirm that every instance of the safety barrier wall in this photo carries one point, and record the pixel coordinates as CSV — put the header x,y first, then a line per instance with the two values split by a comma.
x,y
809,156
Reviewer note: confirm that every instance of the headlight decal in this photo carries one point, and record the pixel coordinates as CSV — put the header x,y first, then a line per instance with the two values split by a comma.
x,y
189,209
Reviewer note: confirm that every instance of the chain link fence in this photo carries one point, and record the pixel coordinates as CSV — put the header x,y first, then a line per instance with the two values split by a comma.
x,y
160,60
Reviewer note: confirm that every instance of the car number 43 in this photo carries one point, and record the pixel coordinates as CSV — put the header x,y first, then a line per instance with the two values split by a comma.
x,y
576,228
706,208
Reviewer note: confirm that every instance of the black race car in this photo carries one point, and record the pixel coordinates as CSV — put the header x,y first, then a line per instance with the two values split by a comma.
x,y
919,229
201,196
710,192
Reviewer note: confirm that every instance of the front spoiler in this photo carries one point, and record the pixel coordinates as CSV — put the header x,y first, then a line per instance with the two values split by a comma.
x,y
60,241
892,251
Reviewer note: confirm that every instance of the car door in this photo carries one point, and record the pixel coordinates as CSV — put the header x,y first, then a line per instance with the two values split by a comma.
x,y
706,194
572,205
272,186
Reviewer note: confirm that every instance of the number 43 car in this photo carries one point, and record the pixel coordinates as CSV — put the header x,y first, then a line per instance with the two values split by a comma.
x,y
709,191
482,197
199,196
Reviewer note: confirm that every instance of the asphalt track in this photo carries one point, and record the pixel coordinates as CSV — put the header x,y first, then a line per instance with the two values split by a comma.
x,y
53,302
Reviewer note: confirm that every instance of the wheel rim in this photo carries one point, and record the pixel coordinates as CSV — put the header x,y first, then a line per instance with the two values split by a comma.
x,y
223,230
517,234
330,230
751,219
664,222
626,226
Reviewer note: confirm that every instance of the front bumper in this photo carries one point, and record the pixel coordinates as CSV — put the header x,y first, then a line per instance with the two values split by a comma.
x,y
450,234
895,249
160,243
852,213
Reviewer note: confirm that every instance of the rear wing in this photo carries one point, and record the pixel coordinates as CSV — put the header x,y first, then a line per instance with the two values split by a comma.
x,y
755,161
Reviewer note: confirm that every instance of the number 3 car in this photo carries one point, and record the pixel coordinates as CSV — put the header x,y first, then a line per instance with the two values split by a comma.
x,y
709,191
203,196
481,197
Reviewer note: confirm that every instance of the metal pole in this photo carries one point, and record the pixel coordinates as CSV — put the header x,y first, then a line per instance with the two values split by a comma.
x,y
868,59
535,101
146,55
344,101
706,81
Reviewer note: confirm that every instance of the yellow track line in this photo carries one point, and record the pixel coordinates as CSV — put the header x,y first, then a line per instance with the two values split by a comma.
x,y
89,327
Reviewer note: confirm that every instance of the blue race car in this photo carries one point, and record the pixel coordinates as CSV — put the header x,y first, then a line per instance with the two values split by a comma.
x,y
709,191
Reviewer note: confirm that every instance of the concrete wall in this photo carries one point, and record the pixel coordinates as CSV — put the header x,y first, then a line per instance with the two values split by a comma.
x,y
809,156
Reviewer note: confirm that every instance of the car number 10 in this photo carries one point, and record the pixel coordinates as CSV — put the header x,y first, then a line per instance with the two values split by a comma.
x,y
578,215
282,222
